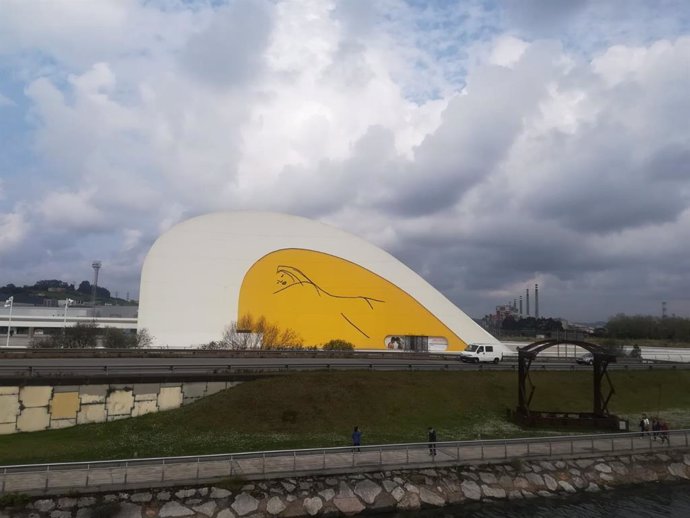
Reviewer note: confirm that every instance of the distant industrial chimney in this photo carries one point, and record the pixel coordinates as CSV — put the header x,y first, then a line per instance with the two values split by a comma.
x,y
527,300
96,265
536,301
515,304
520,306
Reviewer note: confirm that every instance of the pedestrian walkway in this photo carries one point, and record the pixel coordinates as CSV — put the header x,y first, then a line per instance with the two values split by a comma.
x,y
171,471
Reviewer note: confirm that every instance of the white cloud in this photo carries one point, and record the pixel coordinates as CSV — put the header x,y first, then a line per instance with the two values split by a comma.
x,y
483,156
13,230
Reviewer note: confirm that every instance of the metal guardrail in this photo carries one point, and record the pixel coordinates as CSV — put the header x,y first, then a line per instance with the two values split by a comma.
x,y
104,475
225,369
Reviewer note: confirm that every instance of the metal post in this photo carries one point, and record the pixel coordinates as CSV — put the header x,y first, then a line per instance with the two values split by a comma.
x,y
528,448
263,463
572,447
231,465
197,468
88,474
47,475
407,454
126,470
380,456
550,451
324,459
294,460
163,471
481,448
9,322
505,450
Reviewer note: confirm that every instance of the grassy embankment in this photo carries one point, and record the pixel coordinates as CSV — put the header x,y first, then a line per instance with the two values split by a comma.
x,y
319,409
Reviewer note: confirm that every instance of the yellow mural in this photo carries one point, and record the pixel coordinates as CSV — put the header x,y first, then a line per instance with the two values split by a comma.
x,y
323,297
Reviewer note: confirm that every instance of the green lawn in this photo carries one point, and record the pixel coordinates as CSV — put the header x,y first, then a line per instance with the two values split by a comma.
x,y
319,409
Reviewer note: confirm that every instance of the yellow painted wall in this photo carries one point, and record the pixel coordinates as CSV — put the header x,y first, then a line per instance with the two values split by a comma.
x,y
323,297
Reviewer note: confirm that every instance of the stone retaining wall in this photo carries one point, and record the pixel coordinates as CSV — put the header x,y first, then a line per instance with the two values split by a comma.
x,y
348,495
33,408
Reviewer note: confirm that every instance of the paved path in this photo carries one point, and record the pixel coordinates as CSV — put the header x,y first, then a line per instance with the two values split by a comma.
x,y
184,470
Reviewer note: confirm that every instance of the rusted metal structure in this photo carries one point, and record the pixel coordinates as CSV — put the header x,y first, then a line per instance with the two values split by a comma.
x,y
598,418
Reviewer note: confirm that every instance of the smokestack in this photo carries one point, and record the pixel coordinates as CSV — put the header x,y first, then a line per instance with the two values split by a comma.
x,y
96,265
527,300
520,306
515,304
536,301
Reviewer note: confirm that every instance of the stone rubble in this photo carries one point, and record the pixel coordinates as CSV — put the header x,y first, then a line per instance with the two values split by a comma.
x,y
350,494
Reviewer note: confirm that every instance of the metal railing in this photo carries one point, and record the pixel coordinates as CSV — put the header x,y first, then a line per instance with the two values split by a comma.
x,y
170,471
191,368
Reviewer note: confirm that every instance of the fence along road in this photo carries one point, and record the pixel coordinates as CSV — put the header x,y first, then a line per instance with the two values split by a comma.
x,y
170,471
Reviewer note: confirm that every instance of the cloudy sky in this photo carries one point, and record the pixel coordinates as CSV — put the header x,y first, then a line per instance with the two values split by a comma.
x,y
487,144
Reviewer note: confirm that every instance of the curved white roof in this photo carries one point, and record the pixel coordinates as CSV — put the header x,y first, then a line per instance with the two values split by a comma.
x,y
192,275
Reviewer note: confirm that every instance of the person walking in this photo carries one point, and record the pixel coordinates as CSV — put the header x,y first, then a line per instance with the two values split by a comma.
x,y
432,441
356,438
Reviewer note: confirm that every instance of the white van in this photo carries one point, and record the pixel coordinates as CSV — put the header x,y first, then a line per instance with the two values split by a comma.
x,y
475,353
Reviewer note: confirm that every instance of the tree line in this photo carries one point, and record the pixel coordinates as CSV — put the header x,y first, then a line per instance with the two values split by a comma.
x,y
648,327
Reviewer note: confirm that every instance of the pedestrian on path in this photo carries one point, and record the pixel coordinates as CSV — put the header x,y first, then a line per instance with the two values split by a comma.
x,y
356,438
432,441
663,432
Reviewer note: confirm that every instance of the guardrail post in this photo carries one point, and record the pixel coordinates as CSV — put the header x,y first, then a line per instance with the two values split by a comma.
x,y
592,444
294,460
686,439
650,442
324,459
197,468
481,447
163,471
572,447
407,454
126,471
88,474
230,466
528,452
4,476
550,451
505,450
632,443
263,463
47,476
380,456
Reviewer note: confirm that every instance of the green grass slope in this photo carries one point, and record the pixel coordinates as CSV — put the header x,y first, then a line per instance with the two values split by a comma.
x,y
320,408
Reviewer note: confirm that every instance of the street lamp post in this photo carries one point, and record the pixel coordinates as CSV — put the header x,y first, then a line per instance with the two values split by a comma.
x,y
9,303
64,321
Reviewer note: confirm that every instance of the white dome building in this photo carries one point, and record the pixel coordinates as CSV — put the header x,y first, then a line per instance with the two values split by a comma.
x,y
315,280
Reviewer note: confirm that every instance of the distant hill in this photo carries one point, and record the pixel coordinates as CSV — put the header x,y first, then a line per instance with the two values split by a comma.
x,y
48,292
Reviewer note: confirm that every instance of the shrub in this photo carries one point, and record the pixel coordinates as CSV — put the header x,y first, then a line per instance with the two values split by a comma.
x,y
338,345
248,333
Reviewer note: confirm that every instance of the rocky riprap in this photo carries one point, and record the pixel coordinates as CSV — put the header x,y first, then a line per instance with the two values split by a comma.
x,y
346,495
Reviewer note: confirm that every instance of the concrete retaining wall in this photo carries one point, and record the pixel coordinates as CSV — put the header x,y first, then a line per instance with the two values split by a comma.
x,y
34,408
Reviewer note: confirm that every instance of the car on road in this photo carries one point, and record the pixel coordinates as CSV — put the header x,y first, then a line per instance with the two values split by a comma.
x,y
475,353
585,359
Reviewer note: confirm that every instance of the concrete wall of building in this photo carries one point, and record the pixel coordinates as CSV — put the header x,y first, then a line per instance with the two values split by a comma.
x,y
34,408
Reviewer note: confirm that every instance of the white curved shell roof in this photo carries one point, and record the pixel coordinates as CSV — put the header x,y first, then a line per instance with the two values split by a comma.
x,y
192,275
